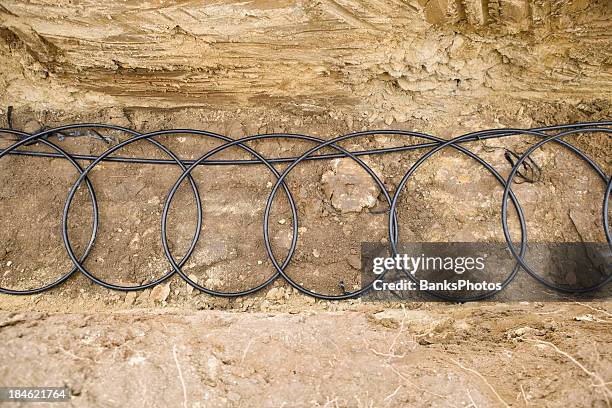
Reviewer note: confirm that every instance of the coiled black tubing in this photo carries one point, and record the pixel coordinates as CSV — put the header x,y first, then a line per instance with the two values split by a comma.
x,y
431,144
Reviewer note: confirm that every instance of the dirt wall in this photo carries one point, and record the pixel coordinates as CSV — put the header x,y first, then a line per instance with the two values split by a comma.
x,y
389,60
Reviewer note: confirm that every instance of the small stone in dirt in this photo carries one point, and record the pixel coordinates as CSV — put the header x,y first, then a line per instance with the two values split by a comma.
x,y
155,200
309,299
282,221
354,261
585,318
212,368
349,187
9,263
190,288
424,341
32,126
392,318
275,294
143,297
130,298
523,331
316,253
213,283
160,293
349,122
388,119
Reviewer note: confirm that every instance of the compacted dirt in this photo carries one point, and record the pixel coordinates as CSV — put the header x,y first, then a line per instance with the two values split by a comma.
x,y
520,355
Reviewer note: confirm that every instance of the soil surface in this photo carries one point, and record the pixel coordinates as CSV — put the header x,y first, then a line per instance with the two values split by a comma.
x,y
519,355
451,197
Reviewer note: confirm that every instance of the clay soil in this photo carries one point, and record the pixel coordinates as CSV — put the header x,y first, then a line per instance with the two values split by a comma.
x,y
175,346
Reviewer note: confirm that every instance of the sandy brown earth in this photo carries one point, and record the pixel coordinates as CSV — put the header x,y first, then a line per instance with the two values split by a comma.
x,y
172,346
450,198
324,68
519,355
389,60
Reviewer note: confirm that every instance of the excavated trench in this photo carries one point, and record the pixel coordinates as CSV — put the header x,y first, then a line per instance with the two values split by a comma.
x,y
323,69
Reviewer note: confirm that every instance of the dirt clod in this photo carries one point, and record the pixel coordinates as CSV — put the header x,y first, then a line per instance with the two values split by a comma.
x,y
349,187
160,293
